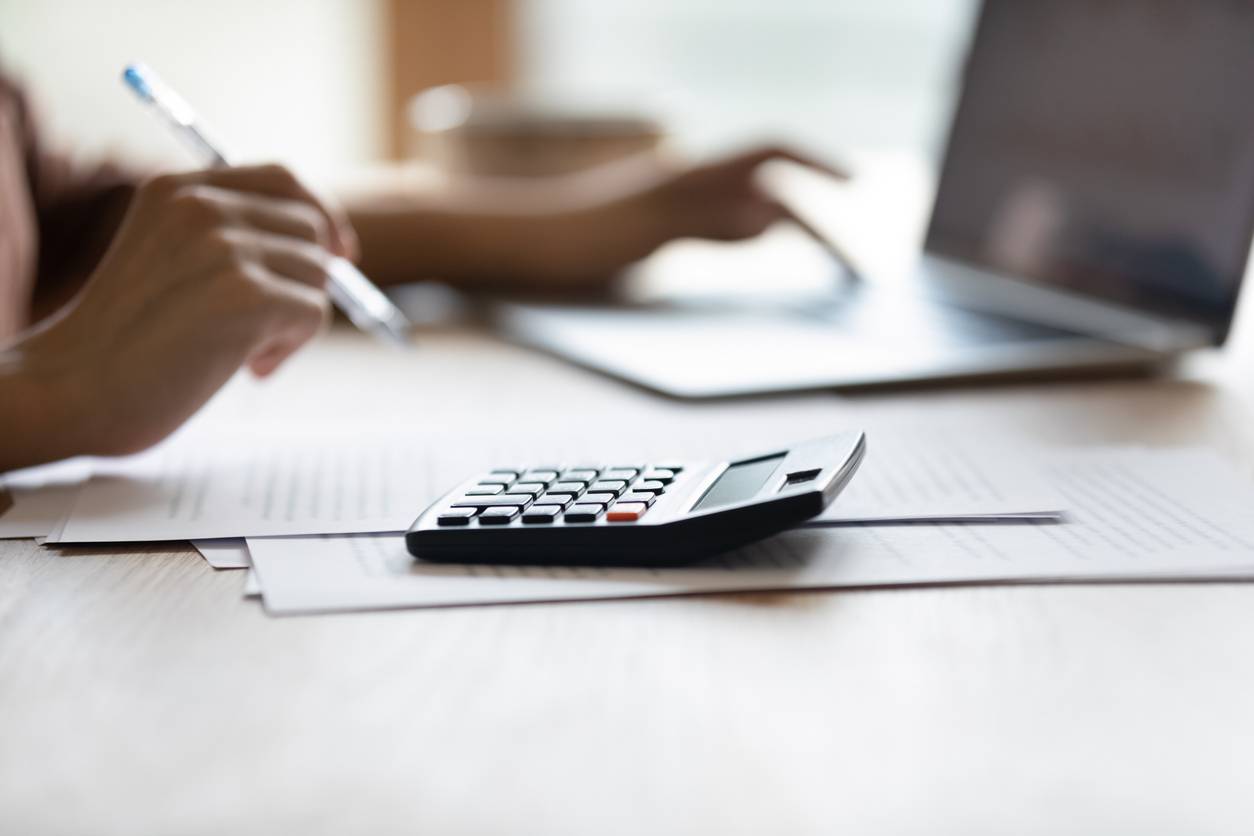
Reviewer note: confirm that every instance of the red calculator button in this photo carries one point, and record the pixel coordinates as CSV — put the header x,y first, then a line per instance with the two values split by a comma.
x,y
626,511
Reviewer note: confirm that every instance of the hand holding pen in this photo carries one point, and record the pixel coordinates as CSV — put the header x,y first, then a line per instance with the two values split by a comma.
x,y
209,271
364,304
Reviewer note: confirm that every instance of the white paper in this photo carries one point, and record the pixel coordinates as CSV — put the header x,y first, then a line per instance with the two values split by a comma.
x,y
252,585
253,486
41,497
1135,514
230,553
234,486
917,477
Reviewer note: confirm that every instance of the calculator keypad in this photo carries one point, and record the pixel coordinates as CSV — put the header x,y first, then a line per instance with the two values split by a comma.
x,y
538,514
516,500
544,495
500,515
456,516
626,511
585,512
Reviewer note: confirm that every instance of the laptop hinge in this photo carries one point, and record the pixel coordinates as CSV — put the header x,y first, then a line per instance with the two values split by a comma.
x,y
980,290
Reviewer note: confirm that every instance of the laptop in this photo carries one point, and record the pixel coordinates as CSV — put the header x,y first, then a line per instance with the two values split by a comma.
x,y
1094,211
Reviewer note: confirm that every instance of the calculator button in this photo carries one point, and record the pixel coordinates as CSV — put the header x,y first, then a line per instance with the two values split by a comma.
x,y
580,475
671,466
584,512
500,515
626,511
512,472
651,485
562,499
531,488
485,490
633,496
496,479
540,514
659,475
572,488
599,498
457,516
615,487
539,475
516,500
624,473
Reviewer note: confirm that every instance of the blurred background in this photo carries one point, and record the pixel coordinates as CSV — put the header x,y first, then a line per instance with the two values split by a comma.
x,y
323,84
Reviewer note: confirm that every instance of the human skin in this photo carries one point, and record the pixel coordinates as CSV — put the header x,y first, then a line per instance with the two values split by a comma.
x,y
567,233
209,271
213,271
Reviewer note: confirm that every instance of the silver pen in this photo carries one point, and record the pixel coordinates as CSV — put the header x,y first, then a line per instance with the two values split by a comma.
x,y
365,305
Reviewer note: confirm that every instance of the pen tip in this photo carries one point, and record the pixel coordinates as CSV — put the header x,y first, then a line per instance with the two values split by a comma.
x,y
133,76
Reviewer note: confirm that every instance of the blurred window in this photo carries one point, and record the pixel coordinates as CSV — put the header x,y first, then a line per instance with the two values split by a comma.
x,y
829,74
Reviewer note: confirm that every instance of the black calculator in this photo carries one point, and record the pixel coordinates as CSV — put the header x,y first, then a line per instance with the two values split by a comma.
x,y
667,513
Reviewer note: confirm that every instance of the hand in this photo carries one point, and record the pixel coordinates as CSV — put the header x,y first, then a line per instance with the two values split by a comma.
x,y
209,271
722,200
568,234
625,211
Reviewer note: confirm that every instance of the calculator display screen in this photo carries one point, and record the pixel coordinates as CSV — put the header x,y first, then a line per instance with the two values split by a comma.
x,y
739,482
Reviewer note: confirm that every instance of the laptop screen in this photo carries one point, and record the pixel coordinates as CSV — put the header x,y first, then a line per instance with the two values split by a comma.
x,y
1107,148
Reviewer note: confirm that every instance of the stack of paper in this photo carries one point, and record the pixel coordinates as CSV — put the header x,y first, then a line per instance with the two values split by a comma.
x,y
920,510
40,497
1135,515
259,486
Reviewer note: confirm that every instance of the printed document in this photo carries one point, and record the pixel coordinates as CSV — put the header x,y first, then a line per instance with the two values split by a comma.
x,y
226,553
1133,514
240,485
213,487
40,497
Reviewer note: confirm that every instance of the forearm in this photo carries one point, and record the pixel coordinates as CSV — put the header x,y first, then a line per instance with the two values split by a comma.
x,y
36,419
403,241
76,227
540,234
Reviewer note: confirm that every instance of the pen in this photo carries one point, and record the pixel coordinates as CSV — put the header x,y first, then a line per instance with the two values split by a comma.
x,y
364,304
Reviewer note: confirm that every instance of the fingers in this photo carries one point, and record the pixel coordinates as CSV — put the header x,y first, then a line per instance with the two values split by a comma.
x,y
299,261
297,308
279,216
745,217
752,218
288,218
275,181
750,160
297,312
288,237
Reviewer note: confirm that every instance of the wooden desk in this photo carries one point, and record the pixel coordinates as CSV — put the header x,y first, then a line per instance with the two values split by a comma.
x,y
139,694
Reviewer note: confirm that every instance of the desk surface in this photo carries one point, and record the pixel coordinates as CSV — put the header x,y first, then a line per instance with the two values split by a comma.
x,y
140,694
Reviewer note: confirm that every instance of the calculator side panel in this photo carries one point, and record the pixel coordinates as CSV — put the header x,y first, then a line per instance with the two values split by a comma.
x,y
671,544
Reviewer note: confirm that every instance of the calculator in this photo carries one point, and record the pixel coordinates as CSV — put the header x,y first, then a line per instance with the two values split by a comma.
x,y
632,513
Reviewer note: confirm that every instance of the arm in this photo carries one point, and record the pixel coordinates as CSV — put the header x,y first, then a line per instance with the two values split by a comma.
x,y
77,209
32,424
563,232
209,271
